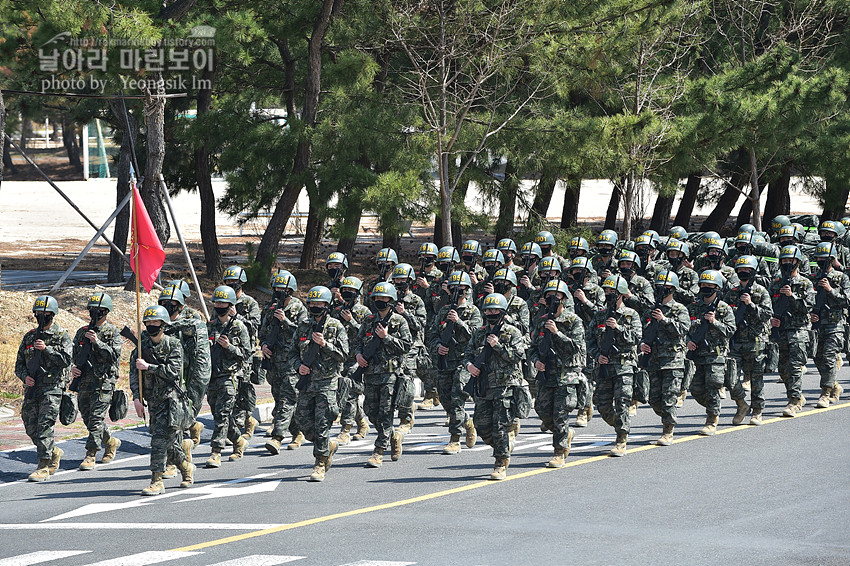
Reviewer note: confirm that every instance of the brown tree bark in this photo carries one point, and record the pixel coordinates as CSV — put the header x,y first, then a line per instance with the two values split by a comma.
x,y
613,207
209,238
545,189
507,201
661,214
439,241
69,140
122,221
689,199
569,214
723,208
2,136
312,236
154,108
778,195
745,213
835,199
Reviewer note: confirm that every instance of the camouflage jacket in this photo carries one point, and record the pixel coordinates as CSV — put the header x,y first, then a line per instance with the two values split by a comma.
x,y
189,312
192,333
642,296
430,275
504,367
55,358
230,362
716,345
469,317
668,350
835,301
596,297
359,312
295,312
163,376
537,304
389,357
569,350
104,359
248,310
326,370
755,324
799,304
520,314
414,314
688,282
625,338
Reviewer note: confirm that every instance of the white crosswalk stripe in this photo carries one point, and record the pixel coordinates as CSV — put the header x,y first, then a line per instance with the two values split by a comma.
x,y
144,558
259,560
39,557
378,563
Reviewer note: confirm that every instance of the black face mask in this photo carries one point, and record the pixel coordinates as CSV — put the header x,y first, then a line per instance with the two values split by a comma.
x,y
383,269
317,311
675,261
787,269
545,250
171,307
153,330
642,253
627,272
823,265
235,285
279,297
444,267
743,250
500,287
577,276
382,305
402,287
44,319
604,252
467,260
347,295
611,299
714,260
552,301
221,311
707,291
493,318
97,314
745,275
335,273
660,294
491,269
827,237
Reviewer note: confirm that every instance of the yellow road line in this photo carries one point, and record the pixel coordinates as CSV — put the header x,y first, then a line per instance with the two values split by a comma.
x,y
470,487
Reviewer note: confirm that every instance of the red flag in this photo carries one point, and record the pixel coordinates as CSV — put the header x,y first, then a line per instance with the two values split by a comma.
x,y
145,244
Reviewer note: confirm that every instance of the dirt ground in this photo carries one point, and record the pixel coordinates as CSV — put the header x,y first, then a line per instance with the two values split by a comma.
x,y
52,161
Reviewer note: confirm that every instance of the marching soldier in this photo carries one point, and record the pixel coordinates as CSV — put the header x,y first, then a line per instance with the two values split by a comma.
x,y
578,247
161,360
97,377
663,351
509,252
546,241
186,311
319,349
832,291
615,333
470,255
428,270
427,274
230,347
382,345
602,258
558,352
549,270
528,276
640,298
386,260
589,299
279,320
42,365
417,361
646,248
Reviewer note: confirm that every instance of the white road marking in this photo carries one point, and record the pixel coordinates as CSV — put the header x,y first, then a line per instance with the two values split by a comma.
x,y
135,526
259,560
378,563
145,558
99,466
216,491
39,557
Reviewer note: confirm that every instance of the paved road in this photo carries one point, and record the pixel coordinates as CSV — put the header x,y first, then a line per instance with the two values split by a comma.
x,y
776,494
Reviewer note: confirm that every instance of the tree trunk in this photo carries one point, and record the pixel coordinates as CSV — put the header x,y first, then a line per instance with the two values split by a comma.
x,y
283,209
728,199
613,207
459,195
835,199
122,221
507,201
545,189
689,199
391,237
745,213
778,194
569,215
26,129
755,191
209,238
350,228
3,135
69,140
446,194
661,214
154,108
438,231
312,236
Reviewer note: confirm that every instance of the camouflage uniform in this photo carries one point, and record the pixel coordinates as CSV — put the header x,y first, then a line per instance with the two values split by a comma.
x,y
596,299
278,374
794,332
667,359
189,312
430,276
317,399
449,383
350,408
537,304
710,358
164,395
98,382
830,332
416,357
688,288
518,315
642,300
248,311
747,346
192,333
228,366
41,411
385,371
558,392
614,380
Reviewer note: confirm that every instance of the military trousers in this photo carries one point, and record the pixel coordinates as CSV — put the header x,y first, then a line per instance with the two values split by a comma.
x,y
613,395
830,343
665,386
39,415
165,439
315,413
709,378
749,358
221,396
493,418
378,406
94,408
553,405
793,349
453,398
285,400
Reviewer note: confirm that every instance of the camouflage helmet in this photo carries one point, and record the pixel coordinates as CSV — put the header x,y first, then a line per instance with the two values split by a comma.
x,y
830,226
104,301
45,303
338,257
471,247
607,237
846,222
531,248
825,249
157,312
183,286
384,290
319,294
427,248
352,282
495,301
679,233
712,243
460,278
791,252
224,294
557,285
506,245
403,271
645,240
505,274
678,246
779,222
234,273
544,238
747,262
170,294
801,231
548,264
712,277
620,285
746,228
448,254
284,280
581,261
627,255
494,255
579,244
666,279
387,255
708,236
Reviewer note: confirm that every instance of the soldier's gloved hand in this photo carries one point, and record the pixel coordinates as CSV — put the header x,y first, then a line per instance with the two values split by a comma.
x,y
140,409
266,352
280,315
39,345
142,364
361,361
473,371
421,282
29,381
75,372
539,366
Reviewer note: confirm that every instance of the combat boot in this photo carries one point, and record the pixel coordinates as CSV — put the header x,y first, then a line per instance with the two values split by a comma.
x,y
470,433
187,448
55,458
581,419
273,444
500,469
666,438
250,426
332,448
214,461
633,408
88,462
681,400
318,470
170,472
557,461
42,472
156,487
395,445
792,408
238,449
297,441
515,427
376,460
453,447
187,469
427,403
620,446
110,448
837,390
344,436
823,400
405,426
195,432
741,413
756,418
710,426
362,429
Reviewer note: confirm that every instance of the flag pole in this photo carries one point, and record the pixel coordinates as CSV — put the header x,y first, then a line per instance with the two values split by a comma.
x,y
140,373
